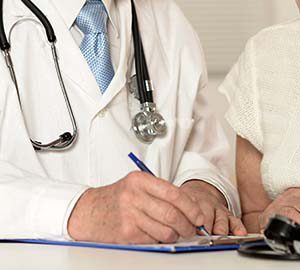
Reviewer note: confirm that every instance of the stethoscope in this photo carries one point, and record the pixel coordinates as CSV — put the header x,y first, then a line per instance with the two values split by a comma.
x,y
147,125
282,241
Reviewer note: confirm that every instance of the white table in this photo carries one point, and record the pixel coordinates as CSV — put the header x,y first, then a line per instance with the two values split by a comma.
x,y
35,257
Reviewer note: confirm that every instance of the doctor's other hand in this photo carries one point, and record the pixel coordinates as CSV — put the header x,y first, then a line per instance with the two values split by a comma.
x,y
287,205
218,219
139,209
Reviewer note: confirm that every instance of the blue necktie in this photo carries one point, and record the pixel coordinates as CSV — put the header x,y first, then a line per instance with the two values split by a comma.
x,y
92,21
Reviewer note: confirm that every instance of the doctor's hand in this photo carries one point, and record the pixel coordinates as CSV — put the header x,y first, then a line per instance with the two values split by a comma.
x,y
218,219
139,209
287,205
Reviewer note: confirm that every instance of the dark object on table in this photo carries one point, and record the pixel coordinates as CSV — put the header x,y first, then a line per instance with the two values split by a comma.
x,y
282,241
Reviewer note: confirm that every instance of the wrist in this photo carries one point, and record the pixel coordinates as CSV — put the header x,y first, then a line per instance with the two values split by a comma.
x,y
251,221
207,188
79,214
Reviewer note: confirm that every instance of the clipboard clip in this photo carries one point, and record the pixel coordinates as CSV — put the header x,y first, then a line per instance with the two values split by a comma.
x,y
224,240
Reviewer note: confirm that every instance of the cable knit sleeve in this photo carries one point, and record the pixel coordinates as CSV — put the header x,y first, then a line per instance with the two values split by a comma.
x,y
241,91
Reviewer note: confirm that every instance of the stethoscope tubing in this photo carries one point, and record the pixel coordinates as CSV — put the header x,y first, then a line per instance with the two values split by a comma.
x,y
43,19
66,139
147,125
4,45
142,72
143,77
260,250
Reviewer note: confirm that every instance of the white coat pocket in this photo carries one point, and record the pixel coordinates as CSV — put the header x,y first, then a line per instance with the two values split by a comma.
x,y
165,153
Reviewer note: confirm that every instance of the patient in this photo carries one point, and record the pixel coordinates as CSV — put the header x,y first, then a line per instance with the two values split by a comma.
x,y
263,90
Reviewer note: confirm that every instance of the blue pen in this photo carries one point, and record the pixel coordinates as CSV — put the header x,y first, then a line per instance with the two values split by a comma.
x,y
142,166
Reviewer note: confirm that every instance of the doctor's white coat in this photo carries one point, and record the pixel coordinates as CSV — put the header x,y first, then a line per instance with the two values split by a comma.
x,y
38,190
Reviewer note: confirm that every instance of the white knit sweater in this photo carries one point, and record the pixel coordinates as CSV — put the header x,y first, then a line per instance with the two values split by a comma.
x,y
263,89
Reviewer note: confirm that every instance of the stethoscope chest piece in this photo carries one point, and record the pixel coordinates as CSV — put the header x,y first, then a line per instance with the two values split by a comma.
x,y
149,124
282,241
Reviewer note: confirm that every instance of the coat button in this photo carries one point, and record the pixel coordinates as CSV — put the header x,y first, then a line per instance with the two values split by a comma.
x,y
102,113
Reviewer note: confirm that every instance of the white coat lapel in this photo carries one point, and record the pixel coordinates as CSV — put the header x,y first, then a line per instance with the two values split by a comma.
x,y
73,63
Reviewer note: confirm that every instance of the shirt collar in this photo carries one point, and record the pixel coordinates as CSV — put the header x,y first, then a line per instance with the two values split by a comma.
x,y
69,10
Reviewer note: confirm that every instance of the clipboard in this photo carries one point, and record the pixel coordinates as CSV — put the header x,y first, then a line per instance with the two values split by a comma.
x,y
197,244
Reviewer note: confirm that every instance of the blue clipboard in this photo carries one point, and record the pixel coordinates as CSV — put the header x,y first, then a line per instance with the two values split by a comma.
x,y
172,249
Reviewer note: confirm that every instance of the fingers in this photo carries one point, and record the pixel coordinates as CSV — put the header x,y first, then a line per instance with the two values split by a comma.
x,y
262,222
169,212
291,213
156,230
223,223
130,233
173,195
166,214
221,226
137,237
237,227
144,239
209,216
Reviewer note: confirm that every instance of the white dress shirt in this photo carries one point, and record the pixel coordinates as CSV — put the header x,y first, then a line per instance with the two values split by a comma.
x,y
41,188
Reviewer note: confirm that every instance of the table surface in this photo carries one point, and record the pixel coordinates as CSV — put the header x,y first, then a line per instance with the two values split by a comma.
x,y
37,257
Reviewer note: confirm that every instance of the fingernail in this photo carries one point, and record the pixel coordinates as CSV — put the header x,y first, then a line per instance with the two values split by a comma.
x,y
241,233
244,231
191,234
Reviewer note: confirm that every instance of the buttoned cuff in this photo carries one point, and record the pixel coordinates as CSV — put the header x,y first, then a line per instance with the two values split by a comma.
x,y
52,208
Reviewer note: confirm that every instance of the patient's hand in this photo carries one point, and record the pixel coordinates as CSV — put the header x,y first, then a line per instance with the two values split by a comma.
x,y
287,204
217,218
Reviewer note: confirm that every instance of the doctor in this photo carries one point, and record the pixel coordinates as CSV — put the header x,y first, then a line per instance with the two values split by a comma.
x,y
91,191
